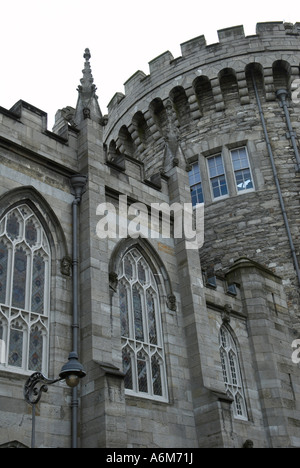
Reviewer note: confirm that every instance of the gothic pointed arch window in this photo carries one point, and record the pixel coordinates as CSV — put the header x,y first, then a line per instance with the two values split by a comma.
x,y
232,372
141,329
24,291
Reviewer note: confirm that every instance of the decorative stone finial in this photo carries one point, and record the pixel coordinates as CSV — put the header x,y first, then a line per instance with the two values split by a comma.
x,y
87,54
87,104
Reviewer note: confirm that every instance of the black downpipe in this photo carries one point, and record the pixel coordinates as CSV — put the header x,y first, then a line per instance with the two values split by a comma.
x,y
282,204
282,94
78,183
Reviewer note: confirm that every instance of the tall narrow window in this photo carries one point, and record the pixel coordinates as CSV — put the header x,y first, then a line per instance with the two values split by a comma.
x,y
142,341
232,373
217,176
3,270
24,291
241,169
196,185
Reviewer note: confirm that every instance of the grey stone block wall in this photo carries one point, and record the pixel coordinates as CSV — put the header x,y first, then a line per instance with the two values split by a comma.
x,y
185,110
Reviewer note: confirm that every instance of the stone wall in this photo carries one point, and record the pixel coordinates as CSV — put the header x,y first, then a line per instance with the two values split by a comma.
x,y
186,110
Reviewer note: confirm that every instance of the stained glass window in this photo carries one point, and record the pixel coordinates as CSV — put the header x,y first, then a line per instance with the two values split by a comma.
x,y
142,373
124,310
13,226
35,349
127,369
232,372
141,273
157,387
38,284
151,318
2,344
141,329
3,271
15,353
24,290
138,314
19,283
128,269
30,233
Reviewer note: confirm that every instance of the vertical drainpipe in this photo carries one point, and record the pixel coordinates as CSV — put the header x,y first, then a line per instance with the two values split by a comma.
x,y
78,183
282,204
282,94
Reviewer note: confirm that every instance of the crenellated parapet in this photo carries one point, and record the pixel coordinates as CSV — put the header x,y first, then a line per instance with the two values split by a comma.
x,y
206,80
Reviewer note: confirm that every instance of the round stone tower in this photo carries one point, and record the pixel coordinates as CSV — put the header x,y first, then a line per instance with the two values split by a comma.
x,y
229,113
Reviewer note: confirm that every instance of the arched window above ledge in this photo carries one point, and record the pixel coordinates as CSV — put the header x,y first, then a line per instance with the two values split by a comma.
x,y
141,329
232,372
25,268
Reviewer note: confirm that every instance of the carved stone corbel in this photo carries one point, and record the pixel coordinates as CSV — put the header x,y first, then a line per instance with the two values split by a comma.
x,y
66,266
226,314
171,302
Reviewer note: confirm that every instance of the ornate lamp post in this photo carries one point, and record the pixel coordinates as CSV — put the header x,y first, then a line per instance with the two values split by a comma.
x,y
37,384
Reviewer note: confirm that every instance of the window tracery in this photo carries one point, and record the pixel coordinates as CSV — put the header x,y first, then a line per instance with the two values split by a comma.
x,y
141,330
24,291
232,373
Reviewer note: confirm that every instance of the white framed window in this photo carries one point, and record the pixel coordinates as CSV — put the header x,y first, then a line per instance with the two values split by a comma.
x,y
24,292
217,176
232,373
241,168
196,185
141,329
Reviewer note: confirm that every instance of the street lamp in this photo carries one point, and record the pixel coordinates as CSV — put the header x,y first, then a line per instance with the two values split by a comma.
x,y
72,371
37,384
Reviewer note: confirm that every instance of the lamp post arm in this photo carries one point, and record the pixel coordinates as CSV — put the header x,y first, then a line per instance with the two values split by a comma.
x,y
35,386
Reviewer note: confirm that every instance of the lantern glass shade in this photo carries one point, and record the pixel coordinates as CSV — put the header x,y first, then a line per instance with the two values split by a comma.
x,y
72,371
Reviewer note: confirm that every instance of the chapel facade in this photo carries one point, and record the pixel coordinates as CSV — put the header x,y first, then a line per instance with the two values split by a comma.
x,y
183,346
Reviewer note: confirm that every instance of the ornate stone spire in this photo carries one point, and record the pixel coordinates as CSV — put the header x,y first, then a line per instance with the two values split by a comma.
x,y
87,104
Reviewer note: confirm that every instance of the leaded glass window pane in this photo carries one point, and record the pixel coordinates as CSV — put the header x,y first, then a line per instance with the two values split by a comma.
x,y
151,319
127,369
138,314
2,344
24,289
19,283
15,354
38,284
141,274
239,405
156,377
141,329
13,226
31,233
142,373
124,310
128,269
35,350
232,372
3,271
223,362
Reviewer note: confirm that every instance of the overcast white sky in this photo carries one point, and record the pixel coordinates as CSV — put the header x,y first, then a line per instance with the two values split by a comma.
x,y
42,42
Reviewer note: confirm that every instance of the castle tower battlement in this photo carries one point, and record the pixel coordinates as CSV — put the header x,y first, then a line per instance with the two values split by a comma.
x,y
203,68
204,104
